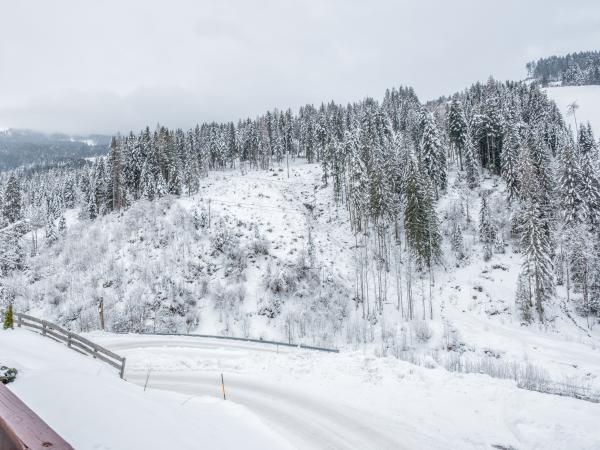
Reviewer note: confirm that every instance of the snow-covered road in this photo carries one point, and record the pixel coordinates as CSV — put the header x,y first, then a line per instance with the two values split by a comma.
x,y
289,398
307,419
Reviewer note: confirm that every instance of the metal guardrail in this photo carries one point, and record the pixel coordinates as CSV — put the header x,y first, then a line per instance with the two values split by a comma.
x,y
22,429
260,341
72,340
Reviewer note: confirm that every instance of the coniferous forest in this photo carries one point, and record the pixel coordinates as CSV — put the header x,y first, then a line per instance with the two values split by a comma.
x,y
574,69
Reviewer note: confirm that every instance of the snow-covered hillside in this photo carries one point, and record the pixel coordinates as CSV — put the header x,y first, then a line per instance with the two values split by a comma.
x,y
244,270
588,99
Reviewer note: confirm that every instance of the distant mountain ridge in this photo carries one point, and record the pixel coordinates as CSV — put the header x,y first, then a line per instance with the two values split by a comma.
x,y
20,147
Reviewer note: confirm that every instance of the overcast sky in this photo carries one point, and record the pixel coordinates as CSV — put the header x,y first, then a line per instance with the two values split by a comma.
x,y
87,66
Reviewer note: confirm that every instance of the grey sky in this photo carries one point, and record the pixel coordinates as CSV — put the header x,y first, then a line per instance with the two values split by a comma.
x,y
83,66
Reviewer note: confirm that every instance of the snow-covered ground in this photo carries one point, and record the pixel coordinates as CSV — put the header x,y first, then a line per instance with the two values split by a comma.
x,y
312,400
91,408
588,99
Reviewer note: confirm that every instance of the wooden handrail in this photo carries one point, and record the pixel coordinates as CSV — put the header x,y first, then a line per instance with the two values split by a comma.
x,y
72,340
22,429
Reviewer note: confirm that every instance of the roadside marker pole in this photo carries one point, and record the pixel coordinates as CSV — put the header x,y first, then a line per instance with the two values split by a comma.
x,y
147,379
223,387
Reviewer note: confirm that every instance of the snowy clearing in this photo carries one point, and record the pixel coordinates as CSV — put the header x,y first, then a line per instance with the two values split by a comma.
x,y
588,99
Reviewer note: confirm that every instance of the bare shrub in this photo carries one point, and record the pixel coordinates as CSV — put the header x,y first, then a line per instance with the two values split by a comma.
x,y
422,331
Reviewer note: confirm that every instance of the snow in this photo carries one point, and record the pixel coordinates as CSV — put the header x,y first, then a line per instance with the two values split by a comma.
x,y
91,408
279,398
353,400
366,397
588,99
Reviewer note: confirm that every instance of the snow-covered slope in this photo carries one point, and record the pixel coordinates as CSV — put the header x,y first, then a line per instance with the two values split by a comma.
x,y
91,408
588,99
152,257
278,399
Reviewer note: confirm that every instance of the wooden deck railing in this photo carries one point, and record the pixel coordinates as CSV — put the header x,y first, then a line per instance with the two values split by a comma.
x,y
72,340
22,429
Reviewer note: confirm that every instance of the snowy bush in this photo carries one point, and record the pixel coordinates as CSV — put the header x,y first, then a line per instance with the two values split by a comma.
x,y
260,246
422,331
270,307
223,239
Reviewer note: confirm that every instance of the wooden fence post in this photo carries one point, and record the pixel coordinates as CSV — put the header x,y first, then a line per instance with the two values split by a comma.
x,y
123,368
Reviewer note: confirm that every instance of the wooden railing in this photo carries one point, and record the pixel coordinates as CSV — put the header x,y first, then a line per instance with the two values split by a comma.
x,y
72,340
22,429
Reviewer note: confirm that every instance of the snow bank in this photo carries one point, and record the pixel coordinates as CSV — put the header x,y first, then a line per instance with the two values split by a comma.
x,y
89,406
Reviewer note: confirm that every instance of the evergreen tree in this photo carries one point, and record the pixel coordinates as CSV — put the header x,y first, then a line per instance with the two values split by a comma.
x,y
571,187
456,242
62,226
510,161
51,232
117,183
458,129
420,219
11,207
487,231
433,154
8,317
471,165
536,249
523,298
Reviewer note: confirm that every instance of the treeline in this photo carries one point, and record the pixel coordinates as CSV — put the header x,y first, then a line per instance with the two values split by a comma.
x,y
388,163
574,69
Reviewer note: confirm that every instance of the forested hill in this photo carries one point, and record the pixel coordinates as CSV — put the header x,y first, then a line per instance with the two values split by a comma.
x,y
393,213
573,69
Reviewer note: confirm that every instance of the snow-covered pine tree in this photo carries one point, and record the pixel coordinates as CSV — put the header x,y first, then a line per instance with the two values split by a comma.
x,y
571,186
537,265
458,129
433,154
456,242
62,226
471,165
510,161
523,299
487,231
420,218
117,181
12,206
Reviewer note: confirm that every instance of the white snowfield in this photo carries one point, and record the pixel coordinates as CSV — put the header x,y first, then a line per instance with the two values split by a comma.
x,y
586,97
91,408
279,398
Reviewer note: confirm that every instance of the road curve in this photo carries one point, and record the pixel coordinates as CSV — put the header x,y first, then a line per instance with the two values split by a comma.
x,y
307,420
